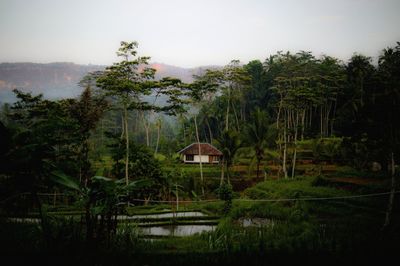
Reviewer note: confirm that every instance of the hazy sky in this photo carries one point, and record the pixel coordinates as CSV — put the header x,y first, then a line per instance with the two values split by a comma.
x,y
193,33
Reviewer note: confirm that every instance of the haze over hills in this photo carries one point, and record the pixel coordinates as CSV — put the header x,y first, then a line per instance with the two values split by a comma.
x,y
60,80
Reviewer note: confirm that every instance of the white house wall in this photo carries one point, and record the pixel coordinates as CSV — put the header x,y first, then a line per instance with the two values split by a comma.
x,y
196,159
204,159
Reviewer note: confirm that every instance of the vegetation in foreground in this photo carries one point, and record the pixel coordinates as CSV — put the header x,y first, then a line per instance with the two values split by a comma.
x,y
341,230
308,171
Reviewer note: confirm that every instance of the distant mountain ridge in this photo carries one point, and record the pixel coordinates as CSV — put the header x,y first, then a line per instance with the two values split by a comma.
x,y
60,79
53,80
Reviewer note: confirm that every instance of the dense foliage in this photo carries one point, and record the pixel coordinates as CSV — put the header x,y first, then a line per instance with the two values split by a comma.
x,y
290,121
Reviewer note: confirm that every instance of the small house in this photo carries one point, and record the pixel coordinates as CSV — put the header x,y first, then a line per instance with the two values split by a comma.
x,y
209,154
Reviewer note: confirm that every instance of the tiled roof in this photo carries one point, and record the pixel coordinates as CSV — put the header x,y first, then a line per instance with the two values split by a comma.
x,y
206,149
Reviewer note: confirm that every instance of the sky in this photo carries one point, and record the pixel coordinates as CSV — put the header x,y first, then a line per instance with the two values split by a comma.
x,y
193,33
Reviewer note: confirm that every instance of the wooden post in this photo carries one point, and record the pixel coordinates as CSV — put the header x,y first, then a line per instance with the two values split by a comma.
x,y
392,193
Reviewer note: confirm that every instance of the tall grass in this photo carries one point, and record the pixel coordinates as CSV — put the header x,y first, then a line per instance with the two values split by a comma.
x,y
326,231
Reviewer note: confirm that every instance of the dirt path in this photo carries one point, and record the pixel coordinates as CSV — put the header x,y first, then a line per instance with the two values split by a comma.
x,y
357,180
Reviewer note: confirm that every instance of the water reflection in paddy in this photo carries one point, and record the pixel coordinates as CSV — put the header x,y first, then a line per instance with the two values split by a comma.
x,y
163,215
176,230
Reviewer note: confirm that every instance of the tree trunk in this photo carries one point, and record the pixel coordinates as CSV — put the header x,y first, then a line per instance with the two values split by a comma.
x,y
200,164
243,111
222,172
122,125
177,196
284,149
227,113
126,145
295,145
209,130
392,193
84,161
228,175
184,131
279,113
147,135
146,125
236,118
279,131
158,136
303,118
328,111
321,123
102,133
333,115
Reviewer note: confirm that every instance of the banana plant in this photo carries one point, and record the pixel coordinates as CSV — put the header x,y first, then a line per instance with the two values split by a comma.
x,y
102,199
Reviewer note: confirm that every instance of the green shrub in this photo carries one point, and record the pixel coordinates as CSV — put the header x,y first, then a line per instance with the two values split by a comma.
x,y
225,193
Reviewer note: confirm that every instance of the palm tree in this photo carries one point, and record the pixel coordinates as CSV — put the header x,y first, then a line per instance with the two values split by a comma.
x,y
257,134
228,142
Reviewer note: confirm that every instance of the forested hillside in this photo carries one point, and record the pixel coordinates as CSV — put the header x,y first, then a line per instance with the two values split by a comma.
x,y
60,80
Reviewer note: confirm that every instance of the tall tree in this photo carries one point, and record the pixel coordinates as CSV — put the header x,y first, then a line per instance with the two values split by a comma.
x,y
125,81
305,89
130,80
257,133
87,111
235,81
200,90
361,81
387,102
44,137
228,142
